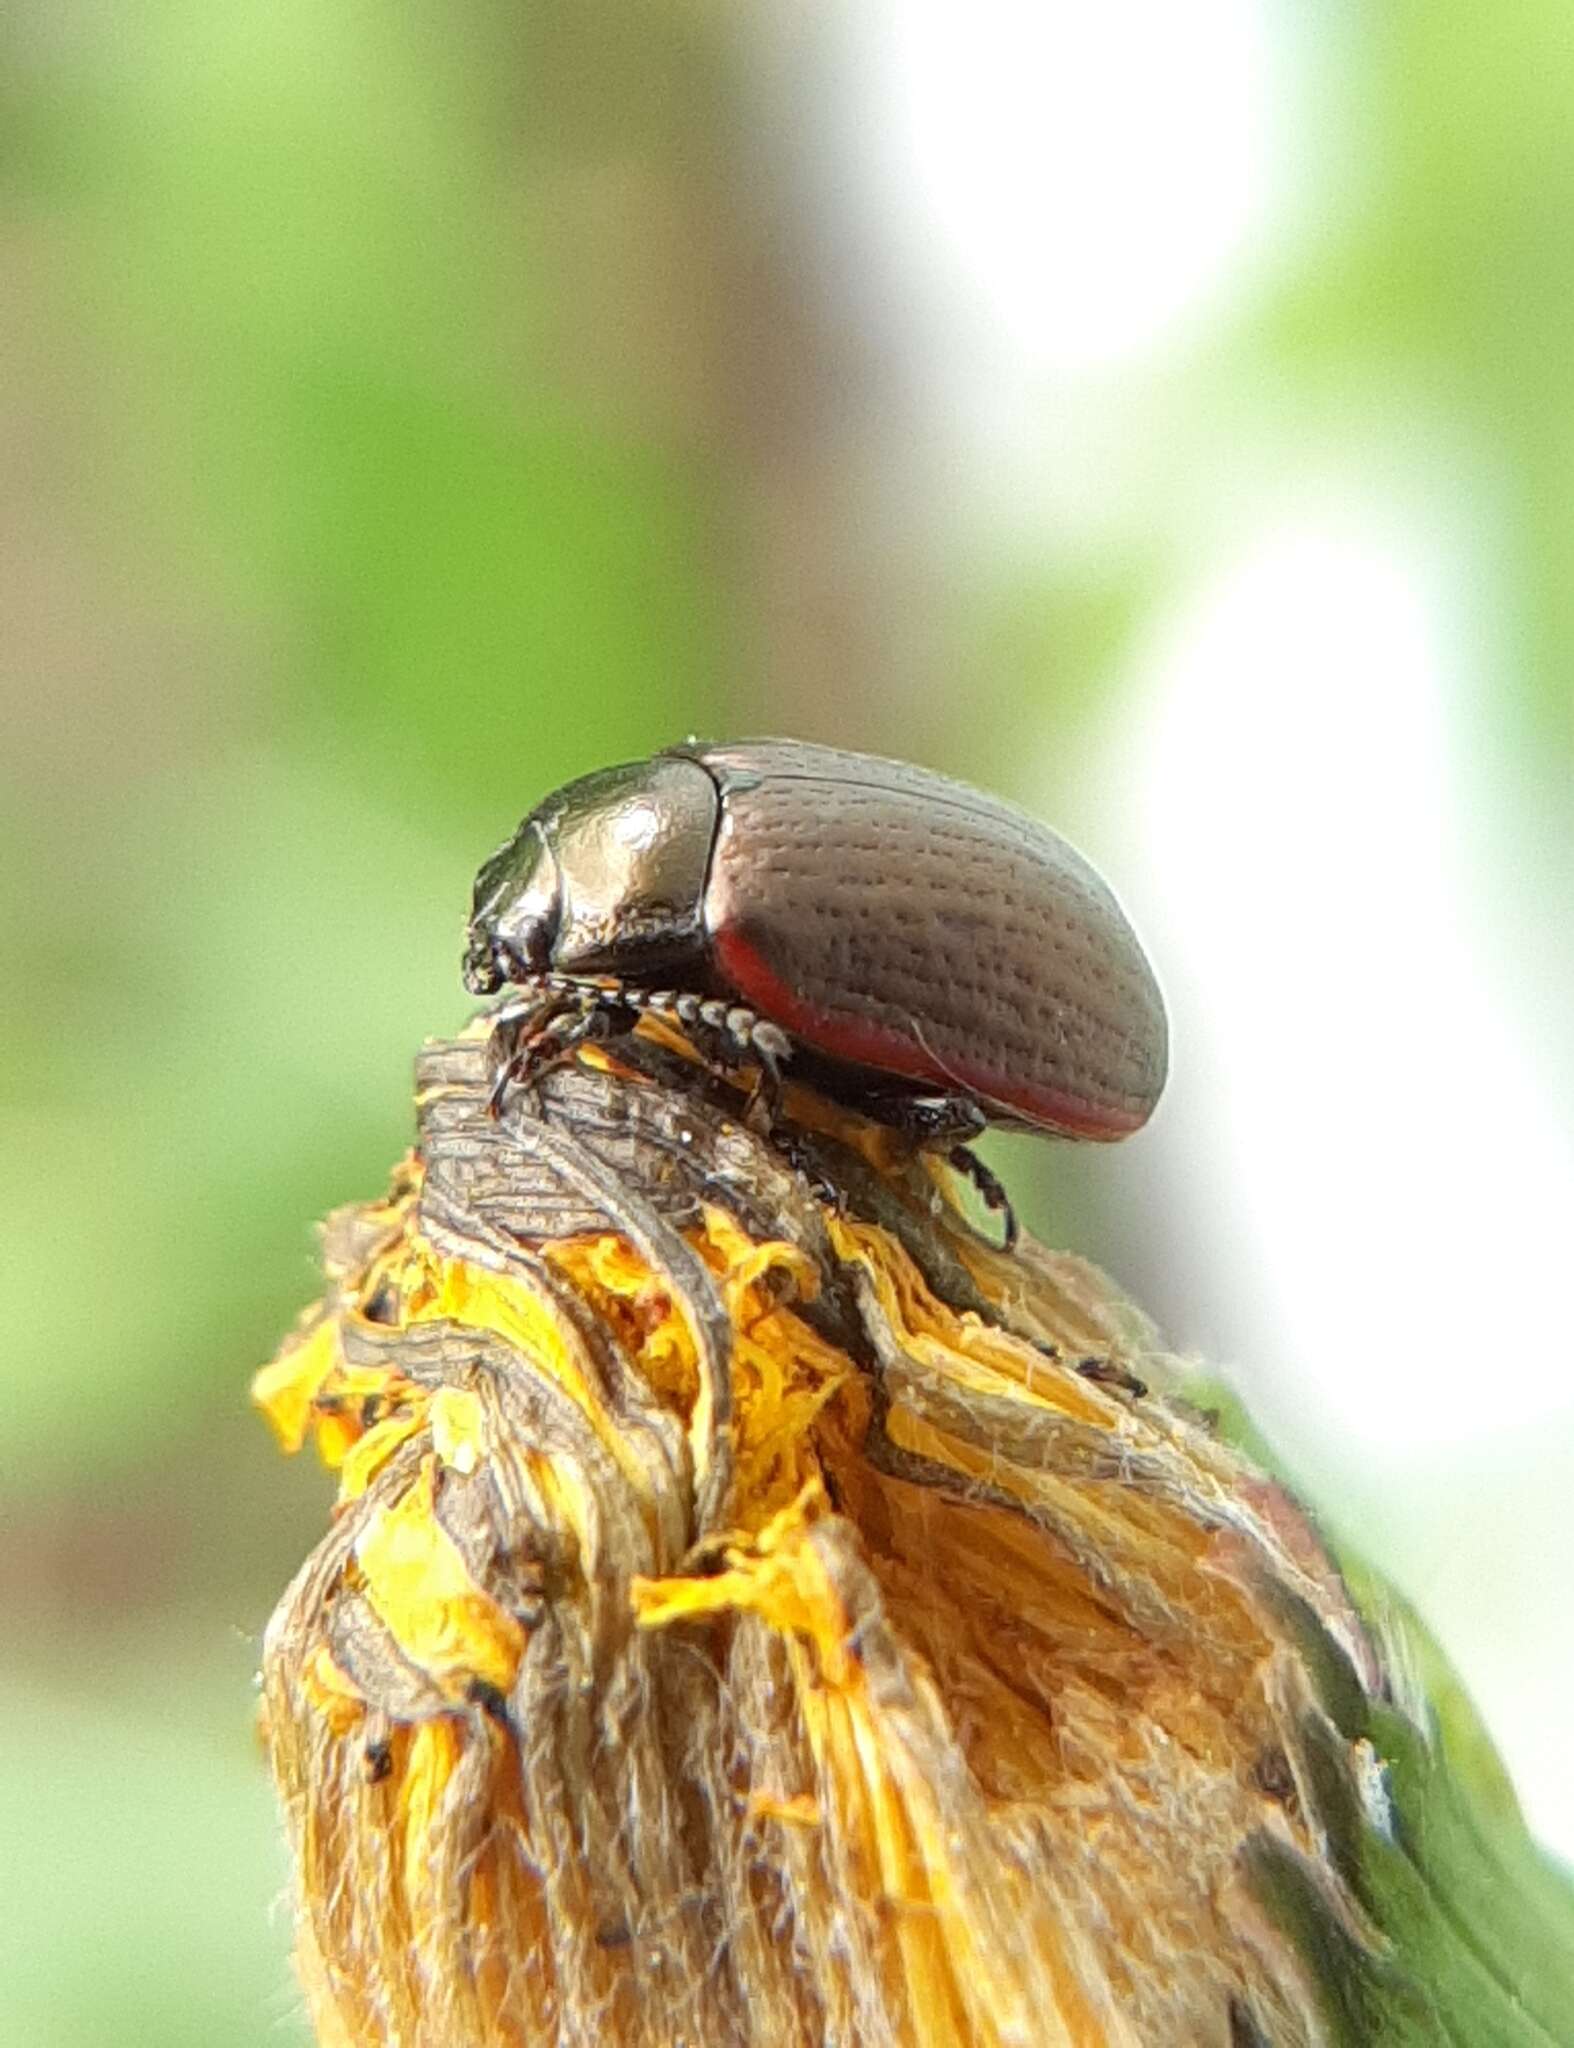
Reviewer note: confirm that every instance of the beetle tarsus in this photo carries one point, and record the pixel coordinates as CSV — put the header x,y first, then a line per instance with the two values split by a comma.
x,y
991,1191
800,1155
1109,1372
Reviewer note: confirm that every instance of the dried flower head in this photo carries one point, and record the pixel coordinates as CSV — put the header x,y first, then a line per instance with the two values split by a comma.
x,y
759,1612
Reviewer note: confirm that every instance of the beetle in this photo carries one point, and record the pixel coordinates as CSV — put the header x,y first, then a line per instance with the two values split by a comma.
x,y
928,954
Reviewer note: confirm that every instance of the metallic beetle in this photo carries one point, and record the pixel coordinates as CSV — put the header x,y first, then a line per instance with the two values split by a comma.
x,y
913,937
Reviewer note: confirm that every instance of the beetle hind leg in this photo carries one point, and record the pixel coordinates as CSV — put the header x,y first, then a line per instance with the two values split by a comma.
x,y
945,1124
990,1189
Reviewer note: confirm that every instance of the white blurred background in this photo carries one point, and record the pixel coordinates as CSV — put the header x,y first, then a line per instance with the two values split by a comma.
x,y
1074,225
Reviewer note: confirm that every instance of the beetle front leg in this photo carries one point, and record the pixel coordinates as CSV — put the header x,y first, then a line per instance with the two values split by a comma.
x,y
548,1027
514,1027
558,1042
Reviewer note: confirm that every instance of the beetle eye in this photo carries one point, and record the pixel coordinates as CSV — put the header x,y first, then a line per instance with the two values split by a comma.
x,y
482,975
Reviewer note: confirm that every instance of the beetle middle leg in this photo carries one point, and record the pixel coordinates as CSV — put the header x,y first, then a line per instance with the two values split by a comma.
x,y
723,1034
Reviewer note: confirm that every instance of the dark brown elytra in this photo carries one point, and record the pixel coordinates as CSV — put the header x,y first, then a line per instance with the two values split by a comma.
x,y
927,954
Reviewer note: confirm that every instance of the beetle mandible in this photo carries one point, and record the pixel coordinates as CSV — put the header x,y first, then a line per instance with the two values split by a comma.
x,y
928,954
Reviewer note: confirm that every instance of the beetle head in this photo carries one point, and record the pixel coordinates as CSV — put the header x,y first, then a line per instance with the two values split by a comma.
x,y
515,912
607,877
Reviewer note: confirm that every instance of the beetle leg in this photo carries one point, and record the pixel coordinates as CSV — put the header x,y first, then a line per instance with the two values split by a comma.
x,y
723,1034
560,1042
547,1028
991,1190
514,1026
1107,1372
803,1160
934,1122
944,1123
584,1017
772,1048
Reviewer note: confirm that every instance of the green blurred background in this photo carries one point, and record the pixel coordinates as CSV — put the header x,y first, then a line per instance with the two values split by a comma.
x,y
406,409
